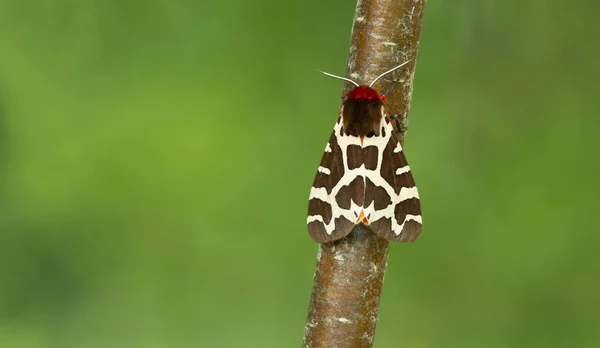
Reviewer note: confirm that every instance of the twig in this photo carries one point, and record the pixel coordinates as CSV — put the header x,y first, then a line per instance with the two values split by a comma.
x,y
348,280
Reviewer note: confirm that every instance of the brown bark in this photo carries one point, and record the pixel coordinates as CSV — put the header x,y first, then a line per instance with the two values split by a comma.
x,y
348,280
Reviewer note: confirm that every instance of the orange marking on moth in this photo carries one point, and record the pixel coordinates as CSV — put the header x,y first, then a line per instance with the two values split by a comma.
x,y
362,218
361,140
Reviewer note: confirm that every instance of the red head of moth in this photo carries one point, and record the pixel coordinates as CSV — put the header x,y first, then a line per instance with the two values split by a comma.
x,y
363,92
362,111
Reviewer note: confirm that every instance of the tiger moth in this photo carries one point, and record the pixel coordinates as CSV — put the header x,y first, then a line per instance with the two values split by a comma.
x,y
363,177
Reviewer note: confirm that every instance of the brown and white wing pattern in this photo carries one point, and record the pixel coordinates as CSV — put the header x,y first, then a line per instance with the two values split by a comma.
x,y
338,191
392,202
364,180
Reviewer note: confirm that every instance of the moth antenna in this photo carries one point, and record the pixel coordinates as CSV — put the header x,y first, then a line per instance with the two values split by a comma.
x,y
387,72
338,77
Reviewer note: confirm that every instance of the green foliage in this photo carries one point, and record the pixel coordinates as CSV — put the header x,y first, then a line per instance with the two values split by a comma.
x,y
156,158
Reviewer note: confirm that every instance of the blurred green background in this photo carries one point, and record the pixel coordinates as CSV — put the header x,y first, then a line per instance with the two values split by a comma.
x,y
156,159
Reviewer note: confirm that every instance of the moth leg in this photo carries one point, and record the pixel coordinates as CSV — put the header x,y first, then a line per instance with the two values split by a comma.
x,y
390,88
397,124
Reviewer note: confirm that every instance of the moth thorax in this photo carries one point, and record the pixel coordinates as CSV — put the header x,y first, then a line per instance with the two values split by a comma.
x,y
362,116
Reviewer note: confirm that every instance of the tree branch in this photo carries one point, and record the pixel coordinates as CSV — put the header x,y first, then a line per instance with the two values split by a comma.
x,y
348,280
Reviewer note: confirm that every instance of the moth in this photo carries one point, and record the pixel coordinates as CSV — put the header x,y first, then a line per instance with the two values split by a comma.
x,y
363,177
